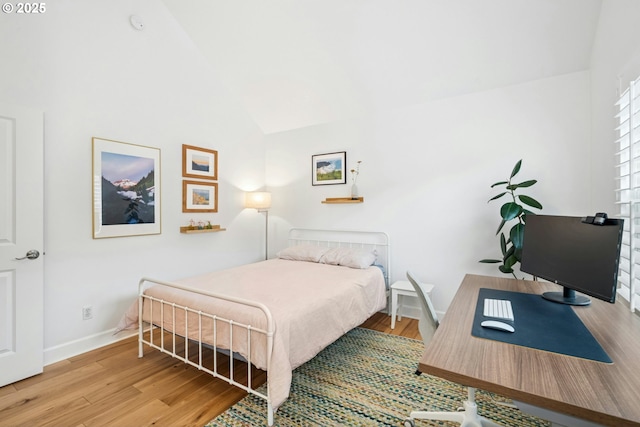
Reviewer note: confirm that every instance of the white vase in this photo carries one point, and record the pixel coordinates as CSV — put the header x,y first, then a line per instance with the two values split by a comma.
x,y
354,192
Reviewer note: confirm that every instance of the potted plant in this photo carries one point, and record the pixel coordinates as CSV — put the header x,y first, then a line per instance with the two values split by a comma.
x,y
514,210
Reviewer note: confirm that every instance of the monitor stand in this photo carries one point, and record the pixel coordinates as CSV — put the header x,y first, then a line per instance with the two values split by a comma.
x,y
567,296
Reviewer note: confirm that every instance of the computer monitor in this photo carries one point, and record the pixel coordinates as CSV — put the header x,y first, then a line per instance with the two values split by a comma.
x,y
574,253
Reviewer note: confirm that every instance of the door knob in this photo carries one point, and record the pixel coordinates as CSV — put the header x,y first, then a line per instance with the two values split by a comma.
x,y
32,254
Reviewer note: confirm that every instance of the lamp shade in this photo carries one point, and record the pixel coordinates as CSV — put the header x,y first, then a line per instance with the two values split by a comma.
x,y
257,200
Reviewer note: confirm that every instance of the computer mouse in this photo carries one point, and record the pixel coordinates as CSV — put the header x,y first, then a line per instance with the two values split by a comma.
x,y
500,326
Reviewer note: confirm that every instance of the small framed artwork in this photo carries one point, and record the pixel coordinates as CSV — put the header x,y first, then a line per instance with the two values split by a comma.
x,y
126,189
199,162
329,168
199,196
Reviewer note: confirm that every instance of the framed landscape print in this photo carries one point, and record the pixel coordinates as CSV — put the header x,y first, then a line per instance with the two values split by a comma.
x,y
126,189
199,162
199,196
329,168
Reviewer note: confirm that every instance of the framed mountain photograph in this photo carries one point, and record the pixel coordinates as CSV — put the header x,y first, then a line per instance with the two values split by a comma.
x,y
126,189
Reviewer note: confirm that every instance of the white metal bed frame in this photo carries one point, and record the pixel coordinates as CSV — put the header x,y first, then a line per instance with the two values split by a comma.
x,y
378,241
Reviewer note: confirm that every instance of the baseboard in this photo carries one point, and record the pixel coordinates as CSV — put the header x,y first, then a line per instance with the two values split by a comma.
x,y
413,312
409,312
73,348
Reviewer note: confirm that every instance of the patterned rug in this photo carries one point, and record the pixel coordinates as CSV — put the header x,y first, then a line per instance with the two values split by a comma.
x,y
367,378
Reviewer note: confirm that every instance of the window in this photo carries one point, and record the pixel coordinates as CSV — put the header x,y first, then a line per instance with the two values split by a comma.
x,y
628,191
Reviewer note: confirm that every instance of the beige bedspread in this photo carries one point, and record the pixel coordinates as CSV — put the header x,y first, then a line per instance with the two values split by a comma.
x,y
312,305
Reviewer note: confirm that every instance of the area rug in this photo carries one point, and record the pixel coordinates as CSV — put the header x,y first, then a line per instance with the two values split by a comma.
x,y
367,378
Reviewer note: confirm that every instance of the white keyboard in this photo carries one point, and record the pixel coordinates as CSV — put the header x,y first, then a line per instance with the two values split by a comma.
x,y
498,308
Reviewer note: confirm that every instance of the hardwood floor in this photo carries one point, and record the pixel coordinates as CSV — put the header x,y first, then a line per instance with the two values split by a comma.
x,y
111,386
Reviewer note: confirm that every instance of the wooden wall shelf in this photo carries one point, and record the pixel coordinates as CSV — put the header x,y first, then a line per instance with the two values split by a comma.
x,y
215,229
336,200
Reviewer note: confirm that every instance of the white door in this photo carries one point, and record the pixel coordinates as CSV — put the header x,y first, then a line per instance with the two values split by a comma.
x,y
21,236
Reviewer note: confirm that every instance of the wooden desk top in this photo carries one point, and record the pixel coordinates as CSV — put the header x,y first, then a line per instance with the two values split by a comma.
x,y
604,393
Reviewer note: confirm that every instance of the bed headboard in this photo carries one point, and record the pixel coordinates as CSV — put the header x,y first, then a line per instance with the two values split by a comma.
x,y
370,240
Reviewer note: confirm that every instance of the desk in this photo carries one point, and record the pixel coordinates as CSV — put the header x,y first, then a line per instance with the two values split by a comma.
x,y
603,393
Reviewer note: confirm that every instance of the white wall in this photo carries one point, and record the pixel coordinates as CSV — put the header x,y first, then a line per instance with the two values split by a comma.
x,y
426,173
94,75
301,63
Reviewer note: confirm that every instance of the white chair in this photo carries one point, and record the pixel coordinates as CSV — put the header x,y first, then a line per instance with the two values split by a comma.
x,y
467,416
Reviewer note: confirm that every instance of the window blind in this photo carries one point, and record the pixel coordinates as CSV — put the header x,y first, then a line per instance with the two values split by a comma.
x,y
628,191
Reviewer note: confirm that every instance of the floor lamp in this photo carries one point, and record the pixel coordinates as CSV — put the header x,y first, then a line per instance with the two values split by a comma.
x,y
260,200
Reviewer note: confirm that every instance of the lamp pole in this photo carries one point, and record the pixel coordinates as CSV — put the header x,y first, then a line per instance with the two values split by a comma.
x,y
266,233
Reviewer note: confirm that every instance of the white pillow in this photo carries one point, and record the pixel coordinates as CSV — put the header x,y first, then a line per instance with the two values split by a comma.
x,y
311,253
349,257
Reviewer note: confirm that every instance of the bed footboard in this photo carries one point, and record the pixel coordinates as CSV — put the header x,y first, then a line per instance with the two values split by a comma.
x,y
181,331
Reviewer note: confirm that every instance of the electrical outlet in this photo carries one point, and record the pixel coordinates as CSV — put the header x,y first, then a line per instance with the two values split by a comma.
x,y
87,312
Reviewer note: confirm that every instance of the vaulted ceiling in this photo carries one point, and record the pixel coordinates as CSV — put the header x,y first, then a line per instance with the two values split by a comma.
x,y
296,63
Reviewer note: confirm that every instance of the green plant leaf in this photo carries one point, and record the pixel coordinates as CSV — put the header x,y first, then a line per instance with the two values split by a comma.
x,y
505,269
500,226
528,183
510,262
490,261
516,234
510,210
530,201
509,253
503,244
523,184
518,254
497,197
500,183
516,168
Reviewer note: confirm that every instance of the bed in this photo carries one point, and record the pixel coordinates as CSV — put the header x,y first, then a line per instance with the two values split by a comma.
x,y
272,315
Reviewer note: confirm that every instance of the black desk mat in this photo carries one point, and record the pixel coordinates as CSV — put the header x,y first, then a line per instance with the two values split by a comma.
x,y
541,324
